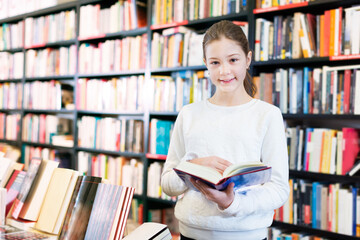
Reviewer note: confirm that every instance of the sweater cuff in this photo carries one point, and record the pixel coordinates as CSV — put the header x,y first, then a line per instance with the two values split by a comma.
x,y
236,208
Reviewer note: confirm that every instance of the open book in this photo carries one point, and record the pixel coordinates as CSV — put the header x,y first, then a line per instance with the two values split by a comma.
x,y
243,175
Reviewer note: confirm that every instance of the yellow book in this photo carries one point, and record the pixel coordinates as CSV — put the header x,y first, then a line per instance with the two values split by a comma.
x,y
326,148
57,200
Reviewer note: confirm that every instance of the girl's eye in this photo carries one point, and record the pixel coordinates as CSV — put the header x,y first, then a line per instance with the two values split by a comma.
x,y
214,63
234,60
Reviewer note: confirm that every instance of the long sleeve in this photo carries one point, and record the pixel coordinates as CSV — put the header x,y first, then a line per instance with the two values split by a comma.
x,y
273,194
171,184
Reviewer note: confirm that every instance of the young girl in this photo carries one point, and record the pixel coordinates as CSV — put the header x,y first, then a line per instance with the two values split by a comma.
x,y
230,127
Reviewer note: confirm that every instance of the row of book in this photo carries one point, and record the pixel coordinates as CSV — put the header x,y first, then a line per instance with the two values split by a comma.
x,y
11,35
330,207
51,62
12,65
116,94
326,90
167,12
284,234
10,95
276,3
9,126
118,170
116,55
63,157
9,8
50,28
44,128
171,93
176,47
159,136
154,182
323,150
42,95
125,135
121,16
61,203
328,34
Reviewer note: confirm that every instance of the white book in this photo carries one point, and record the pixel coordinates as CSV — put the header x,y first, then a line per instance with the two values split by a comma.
x,y
335,89
304,39
357,92
150,230
3,192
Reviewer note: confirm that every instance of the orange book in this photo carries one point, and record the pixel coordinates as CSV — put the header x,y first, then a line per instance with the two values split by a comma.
x,y
332,33
327,20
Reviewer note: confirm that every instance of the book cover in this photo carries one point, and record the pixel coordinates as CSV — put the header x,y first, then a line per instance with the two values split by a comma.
x,y
351,148
32,205
14,190
249,174
25,187
149,230
77,221
100,223
56,200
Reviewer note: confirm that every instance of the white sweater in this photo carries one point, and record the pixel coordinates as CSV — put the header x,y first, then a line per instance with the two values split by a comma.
x,y
247,132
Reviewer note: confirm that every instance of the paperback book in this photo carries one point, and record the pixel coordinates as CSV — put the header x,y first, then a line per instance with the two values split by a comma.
x,y
243,175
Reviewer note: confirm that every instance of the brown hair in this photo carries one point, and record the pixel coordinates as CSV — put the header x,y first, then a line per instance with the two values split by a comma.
x,y
233,32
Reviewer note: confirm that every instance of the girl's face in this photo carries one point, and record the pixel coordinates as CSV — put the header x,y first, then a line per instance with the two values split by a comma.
x,y
227,64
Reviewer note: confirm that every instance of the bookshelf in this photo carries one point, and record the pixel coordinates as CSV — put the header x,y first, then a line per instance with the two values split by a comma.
x,y
331,120
100,36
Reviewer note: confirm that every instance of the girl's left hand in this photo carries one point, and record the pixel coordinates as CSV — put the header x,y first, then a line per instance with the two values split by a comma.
x,y
222,198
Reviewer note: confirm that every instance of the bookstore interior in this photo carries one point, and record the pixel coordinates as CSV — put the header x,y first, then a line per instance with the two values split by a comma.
x,y
90,91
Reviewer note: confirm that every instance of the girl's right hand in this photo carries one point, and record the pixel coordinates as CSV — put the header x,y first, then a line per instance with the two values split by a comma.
x,y
219,164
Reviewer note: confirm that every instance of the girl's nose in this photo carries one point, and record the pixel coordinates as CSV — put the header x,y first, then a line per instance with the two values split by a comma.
x,y
224,70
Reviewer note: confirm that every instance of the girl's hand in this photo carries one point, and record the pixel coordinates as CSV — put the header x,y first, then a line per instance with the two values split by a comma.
x,y
222,198
215,162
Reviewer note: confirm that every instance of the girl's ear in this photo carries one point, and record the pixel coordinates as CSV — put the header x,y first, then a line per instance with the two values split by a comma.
x,y
204,61
248,59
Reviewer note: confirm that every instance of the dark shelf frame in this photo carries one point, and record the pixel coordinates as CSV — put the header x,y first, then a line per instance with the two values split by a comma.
x,y
112,74
314,231
324,177
177,69
46,145
48,111
59,77
53,44
112,153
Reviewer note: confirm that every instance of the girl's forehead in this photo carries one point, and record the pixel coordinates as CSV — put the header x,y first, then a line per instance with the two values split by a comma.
x,y
224,45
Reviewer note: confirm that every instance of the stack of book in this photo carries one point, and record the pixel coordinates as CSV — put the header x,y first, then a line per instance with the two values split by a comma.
x,y
48,202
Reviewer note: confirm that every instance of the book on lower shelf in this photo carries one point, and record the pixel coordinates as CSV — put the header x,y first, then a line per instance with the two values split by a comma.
x,y
150,230
243,175
9,232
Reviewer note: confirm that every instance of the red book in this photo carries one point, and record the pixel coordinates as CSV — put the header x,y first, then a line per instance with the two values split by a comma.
x,y
351,147
327,24
347,85
25,187
11,179
14,189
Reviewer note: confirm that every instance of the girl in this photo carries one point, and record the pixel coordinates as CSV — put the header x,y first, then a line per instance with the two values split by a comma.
x,y
230,127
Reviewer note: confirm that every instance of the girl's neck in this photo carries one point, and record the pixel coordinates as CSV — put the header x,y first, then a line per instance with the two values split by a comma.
x,y
229,100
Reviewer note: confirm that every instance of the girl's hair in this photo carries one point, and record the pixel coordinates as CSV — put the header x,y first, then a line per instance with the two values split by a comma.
x,y
233,32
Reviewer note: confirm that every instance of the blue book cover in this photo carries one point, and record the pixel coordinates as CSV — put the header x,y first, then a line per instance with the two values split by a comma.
x,y
314,204
306,90
247,176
